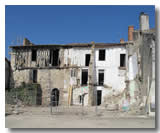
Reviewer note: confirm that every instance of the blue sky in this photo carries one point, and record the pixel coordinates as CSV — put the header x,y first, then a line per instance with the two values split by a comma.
x,y
71,24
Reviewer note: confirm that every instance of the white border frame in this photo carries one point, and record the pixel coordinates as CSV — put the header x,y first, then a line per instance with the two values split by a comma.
x,y
3,3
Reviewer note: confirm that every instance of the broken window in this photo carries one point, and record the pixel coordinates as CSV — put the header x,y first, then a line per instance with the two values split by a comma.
x,y
84,76
102,54
87,59
101,77
122,60
34,55
54,57
34,76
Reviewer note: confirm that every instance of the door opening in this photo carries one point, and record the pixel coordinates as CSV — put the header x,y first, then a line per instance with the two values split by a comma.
x,y
55,97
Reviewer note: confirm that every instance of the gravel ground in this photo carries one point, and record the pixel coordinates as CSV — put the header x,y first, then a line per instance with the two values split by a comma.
x,y
40,117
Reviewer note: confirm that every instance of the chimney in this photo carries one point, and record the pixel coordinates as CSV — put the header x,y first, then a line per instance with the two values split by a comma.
x,y
121,40
144,21
26,42
130,32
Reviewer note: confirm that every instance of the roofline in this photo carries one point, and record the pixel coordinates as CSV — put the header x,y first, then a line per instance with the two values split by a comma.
x,y
71,45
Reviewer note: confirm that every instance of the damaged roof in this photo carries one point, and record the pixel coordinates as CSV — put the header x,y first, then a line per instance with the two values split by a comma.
x,y
70,45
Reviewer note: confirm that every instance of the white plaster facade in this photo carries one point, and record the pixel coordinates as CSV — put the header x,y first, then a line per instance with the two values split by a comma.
x,y
114,76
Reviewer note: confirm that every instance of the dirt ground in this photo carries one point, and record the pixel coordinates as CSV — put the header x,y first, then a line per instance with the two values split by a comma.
x,y
36,117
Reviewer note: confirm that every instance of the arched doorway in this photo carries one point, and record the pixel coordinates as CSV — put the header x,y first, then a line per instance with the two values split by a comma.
x,y
55,97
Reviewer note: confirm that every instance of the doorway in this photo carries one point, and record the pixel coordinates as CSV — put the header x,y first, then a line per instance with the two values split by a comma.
x,y
55,97
99,97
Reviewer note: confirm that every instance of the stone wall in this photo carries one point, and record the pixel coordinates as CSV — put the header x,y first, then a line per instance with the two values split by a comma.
x,y
19,76
50,79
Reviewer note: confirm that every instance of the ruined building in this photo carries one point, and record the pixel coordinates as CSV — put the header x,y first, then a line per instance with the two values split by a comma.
x,y
141,64
66,68
89,73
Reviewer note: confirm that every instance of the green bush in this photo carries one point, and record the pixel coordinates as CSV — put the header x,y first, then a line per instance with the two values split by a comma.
x,y
26,93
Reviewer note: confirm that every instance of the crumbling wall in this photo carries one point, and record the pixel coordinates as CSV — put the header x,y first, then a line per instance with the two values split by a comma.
x,y
148,66
146,61
43,57
23,66
152,86
50,79
20,76
140,67
20,58
80,92
75,56
112,98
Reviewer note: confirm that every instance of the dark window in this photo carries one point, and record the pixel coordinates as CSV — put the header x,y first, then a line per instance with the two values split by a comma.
x,y
54,57
84,77
101,77
34,55
99,97
102,55
87,59
34,76
122,60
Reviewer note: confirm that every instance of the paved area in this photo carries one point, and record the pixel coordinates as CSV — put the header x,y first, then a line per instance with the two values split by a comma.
x,y
35,117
